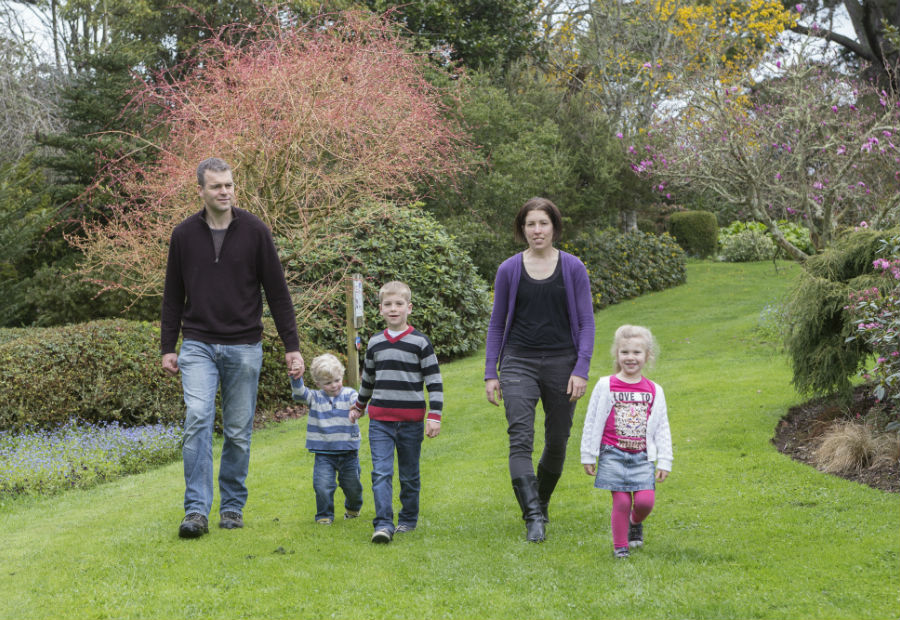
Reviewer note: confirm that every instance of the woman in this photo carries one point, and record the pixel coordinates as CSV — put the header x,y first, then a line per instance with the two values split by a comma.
x,y
542,334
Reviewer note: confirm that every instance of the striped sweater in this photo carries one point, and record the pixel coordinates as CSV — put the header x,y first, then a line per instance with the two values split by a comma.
x,y
394,373
328,425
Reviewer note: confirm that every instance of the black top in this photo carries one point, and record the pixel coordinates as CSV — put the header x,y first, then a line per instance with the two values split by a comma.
x,y
542,318
218,299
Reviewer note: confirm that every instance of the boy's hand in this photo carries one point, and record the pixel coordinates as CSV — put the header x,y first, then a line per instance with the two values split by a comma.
x,y
355,414
590,469
661,474
432,428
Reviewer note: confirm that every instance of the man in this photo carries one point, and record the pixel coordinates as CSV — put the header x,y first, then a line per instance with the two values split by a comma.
x,y
218,259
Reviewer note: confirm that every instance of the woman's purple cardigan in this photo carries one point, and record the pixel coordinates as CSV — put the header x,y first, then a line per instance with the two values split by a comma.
x,y
578,301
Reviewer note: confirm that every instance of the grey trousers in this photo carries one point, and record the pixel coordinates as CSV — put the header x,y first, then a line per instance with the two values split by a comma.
x,y
525,379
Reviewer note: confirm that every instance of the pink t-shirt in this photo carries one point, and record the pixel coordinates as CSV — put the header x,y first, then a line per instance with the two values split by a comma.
x,y
626,424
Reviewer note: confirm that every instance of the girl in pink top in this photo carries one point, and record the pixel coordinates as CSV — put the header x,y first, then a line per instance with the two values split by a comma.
x,y
627,429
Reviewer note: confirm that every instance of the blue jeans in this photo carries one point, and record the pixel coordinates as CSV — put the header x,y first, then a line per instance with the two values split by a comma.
x,y
204,369
345,466
407,438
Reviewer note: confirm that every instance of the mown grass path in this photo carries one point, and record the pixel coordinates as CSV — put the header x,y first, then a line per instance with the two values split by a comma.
x,y
739,530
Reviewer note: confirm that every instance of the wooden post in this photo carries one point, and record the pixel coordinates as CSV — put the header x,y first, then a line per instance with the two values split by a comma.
x,y
355,320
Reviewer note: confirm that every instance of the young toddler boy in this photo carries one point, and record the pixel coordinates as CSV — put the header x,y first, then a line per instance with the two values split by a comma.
x,y
398,362
332,436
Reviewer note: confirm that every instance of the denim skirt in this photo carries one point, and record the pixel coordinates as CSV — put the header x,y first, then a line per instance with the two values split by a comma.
x,y
624,471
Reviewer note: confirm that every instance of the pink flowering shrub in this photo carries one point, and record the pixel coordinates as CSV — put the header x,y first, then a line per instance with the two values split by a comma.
x,y
876,314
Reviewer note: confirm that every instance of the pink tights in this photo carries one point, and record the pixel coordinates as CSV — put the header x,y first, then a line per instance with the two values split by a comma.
x,y
623,510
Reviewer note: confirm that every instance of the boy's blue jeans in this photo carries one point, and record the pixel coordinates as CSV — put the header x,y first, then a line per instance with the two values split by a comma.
x,y
345,467
204,368
406,438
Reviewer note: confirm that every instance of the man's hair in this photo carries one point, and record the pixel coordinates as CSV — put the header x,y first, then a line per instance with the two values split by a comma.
x,y
213,163
538,204
395,288
326,368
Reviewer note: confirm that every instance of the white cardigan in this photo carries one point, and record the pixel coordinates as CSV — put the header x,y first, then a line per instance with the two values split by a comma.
x,y
659,439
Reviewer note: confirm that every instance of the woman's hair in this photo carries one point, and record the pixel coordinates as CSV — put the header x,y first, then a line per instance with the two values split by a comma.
x,y
326,368
541,204
634,331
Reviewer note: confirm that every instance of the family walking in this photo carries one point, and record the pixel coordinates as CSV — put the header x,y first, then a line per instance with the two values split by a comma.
x,y
539,346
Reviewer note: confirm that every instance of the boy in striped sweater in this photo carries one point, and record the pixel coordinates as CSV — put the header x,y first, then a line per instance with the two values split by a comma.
x,y
332,436
399,362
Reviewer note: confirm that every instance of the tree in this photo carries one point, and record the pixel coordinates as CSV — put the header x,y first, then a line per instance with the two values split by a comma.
x,y
809,145
478,33
321,119
876,24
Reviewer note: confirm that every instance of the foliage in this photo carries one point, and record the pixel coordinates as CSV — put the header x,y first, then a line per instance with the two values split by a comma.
x,y
81,455
809,145
822,357
624,266
323,118
746,246
478,33
796,234
533,141
450,300
876,314
105,371
696,231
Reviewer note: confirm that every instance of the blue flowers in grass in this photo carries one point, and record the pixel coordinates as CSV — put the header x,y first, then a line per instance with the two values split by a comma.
x,y
80,455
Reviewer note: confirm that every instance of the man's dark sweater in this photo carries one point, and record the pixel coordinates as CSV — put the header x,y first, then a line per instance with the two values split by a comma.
x,y
218,300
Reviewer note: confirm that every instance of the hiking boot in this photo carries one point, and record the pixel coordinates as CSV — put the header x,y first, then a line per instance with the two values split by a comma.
x,y
635,535
231,520
194,525
382,537
403,528
620,553
351,514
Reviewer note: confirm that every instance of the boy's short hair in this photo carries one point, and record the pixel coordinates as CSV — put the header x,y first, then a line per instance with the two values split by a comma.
x,y
395,287
325,368
213,163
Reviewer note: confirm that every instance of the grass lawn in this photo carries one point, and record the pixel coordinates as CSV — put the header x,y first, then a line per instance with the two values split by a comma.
x,y
739,531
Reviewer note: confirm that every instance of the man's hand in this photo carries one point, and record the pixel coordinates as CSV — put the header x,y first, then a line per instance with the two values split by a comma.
x,y
170,363
493,391
432,428
295,364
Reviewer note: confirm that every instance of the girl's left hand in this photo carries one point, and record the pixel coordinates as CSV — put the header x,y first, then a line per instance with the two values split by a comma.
x,y
661,474
577,387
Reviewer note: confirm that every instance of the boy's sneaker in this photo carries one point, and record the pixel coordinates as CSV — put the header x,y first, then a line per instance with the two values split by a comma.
x,y
351,514
635,535
403,528
324,521
231,520
194,525
620,553
382,537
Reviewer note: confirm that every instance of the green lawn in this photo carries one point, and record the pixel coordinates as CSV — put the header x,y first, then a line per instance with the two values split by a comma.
x,y
739,531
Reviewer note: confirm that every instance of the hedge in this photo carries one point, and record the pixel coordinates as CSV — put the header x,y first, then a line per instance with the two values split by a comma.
x,y
623,266
695,231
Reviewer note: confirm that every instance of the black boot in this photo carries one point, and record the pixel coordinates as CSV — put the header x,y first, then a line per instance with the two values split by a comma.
x,y
546,483
526,492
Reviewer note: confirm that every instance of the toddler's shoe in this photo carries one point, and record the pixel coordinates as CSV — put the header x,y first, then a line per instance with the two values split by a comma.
x,y
324,521
351,514
635,535
620,553
381,537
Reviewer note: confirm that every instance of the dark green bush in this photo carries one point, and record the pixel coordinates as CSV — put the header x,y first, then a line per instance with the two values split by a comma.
x,y
450,300
695,231
106,371
822,358
623,266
